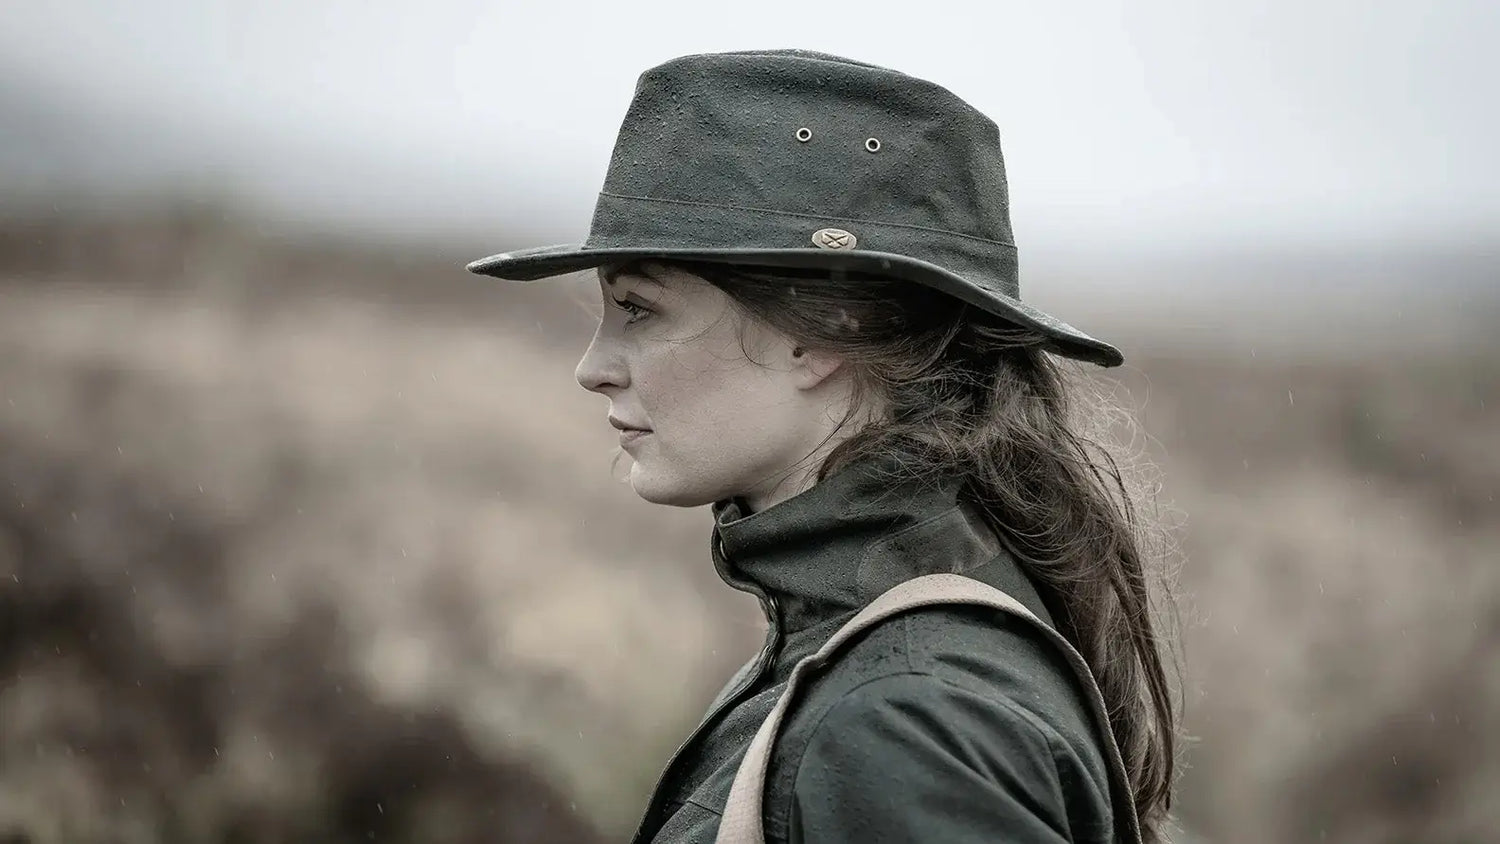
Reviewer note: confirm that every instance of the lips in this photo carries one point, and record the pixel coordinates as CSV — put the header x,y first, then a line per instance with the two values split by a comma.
x,y
621,425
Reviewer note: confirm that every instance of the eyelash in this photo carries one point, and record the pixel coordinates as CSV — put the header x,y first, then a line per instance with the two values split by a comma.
x,y
634,311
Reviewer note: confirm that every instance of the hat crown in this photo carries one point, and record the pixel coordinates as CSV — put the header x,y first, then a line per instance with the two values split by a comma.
x,y
806,133
794,158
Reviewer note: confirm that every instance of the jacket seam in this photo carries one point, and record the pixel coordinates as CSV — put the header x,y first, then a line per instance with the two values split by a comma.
x,y
1036,725
864,553
718,813
911,667
728,207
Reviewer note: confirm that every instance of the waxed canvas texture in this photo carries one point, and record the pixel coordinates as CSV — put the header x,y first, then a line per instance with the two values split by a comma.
x,y
849,765
741,113
742,821
708,165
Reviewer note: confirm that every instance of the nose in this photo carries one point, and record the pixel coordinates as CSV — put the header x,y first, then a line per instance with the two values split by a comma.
x,y
601,368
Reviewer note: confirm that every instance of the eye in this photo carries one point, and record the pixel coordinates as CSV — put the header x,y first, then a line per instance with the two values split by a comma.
x,y
634,310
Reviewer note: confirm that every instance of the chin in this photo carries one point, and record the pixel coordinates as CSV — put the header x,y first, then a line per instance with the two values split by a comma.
x,y
666,488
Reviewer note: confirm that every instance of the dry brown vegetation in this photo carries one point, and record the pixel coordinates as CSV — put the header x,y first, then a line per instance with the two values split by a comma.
x,y
306,543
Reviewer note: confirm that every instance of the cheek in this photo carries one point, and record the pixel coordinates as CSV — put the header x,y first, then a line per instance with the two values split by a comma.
x,y
692,389
708,394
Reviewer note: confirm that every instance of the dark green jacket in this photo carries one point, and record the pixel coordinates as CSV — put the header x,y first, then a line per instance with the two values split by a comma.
x,y
944,724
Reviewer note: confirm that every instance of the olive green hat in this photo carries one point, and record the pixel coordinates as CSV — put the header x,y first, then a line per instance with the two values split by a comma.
x,y
794,158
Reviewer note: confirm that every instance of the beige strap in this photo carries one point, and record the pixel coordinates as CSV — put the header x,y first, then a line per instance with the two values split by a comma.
x,y
742,820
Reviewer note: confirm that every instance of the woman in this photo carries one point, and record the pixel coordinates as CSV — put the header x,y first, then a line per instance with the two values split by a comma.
x,y
813,324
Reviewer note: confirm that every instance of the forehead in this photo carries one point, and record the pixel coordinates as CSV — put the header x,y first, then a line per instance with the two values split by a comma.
x,y
640,271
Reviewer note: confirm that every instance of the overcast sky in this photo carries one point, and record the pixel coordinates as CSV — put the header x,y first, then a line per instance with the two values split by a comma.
x,y
1163,124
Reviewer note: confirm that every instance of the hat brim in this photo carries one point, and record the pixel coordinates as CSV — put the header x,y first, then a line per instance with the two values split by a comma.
x,y
546,261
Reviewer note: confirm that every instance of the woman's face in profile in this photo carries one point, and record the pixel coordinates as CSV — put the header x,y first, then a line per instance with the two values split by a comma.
x,y
726,408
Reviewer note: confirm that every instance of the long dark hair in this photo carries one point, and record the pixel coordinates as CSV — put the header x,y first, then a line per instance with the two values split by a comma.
x,y
965,391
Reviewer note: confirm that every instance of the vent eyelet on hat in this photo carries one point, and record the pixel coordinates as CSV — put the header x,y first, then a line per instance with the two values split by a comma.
x,y
872,144
804,134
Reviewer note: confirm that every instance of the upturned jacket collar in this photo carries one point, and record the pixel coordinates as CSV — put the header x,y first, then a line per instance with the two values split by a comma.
x,y
814,560
831,549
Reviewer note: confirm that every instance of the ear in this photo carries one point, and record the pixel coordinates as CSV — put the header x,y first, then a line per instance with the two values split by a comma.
x,y
811,367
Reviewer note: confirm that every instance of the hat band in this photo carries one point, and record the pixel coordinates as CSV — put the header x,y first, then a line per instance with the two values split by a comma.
x,y
639,222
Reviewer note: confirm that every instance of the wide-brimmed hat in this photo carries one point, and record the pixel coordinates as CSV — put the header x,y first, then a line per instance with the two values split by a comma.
x,y
792,158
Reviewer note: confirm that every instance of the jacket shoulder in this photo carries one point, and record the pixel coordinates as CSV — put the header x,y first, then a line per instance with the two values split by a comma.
x,y
943,698
999,654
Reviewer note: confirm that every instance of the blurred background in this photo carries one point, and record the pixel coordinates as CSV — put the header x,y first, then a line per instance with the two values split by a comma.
x,y
308,535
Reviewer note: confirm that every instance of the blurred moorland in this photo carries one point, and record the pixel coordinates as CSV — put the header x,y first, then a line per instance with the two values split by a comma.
x,y
309,541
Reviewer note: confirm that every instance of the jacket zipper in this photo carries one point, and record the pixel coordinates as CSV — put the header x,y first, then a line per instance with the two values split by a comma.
x,y
762,664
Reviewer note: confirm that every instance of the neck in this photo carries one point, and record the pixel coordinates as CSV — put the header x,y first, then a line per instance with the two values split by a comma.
x,y
790,484
803,474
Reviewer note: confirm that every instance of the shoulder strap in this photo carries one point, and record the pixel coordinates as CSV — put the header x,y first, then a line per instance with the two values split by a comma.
x,y
742,822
